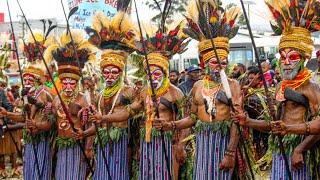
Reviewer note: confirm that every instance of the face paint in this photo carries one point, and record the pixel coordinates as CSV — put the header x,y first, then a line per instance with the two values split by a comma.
x,y
111,75
157,76
214,67
69,86
291,63
29,81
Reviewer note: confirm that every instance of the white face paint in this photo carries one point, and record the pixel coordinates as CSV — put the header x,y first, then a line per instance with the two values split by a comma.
x,y
69,86
111,75
157,76
289,63
215,68
29,81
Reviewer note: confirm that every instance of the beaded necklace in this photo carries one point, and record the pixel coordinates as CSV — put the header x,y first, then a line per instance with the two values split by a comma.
x,y
109,92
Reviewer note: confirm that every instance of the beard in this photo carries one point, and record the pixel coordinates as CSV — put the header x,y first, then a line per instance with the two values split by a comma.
x,y
289,74
215,76
235,75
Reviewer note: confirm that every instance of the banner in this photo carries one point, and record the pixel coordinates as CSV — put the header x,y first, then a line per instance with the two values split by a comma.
x,y
87,8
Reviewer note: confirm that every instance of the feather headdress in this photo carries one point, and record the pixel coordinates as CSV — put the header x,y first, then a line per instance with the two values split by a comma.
x,y
163,42
115,37
222,26
63,53
295,20
33,49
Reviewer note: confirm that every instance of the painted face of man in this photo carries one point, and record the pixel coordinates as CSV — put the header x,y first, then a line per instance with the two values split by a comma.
x,y
157,76
214,67
29,80
290,63
69,86
111,75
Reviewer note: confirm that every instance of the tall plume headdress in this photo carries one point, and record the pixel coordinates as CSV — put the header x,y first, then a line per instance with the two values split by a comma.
x,y
160,46
295,20
115,37
32,50
222,26
63,53
163,42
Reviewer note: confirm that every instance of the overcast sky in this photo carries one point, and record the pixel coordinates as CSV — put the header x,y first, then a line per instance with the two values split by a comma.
x,y
39,9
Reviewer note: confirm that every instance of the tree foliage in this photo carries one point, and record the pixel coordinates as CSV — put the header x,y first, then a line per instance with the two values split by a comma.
x,y
177,7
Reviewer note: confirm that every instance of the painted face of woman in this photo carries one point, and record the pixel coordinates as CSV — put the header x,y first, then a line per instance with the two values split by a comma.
x,y
215,68
29,80
157,76
290,60
111,75
69,86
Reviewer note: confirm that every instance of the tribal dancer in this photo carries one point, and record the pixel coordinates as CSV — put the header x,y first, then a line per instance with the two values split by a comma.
x,y
70,162
39,118
161,46
216,135
298,97
116,38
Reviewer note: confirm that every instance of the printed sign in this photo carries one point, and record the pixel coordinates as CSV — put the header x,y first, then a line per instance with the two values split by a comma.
x,y
87,8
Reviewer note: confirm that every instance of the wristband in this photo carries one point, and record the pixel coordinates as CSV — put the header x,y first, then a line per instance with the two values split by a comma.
x,y
307,128
174,125
229,153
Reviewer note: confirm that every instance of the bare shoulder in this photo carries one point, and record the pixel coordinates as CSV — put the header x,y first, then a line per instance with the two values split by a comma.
x,y
56,101
178,94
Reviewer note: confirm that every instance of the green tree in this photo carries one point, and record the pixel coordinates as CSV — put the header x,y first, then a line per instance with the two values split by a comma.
x,y
177,7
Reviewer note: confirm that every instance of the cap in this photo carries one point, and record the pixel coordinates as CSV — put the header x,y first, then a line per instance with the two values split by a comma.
x,y
193,68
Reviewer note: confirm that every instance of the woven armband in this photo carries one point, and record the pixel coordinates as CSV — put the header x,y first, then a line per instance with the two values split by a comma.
x,y
194,117
130,110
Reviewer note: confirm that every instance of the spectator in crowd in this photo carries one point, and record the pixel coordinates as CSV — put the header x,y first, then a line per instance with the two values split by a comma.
x,y
268,74
182,77
238,71
193,73
174,77
316,74
277,74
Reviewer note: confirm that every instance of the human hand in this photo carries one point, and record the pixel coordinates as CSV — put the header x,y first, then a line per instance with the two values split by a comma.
x,y
31,124
180,153
97,118
227,163
162,124
78,135
297,160
279,127
3,111
240,118
89,153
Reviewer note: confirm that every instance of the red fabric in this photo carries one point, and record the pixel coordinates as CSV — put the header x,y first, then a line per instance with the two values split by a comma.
x,y
1,17
268,77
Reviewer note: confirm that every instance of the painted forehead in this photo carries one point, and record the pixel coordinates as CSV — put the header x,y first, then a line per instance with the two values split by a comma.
x,y
111,67
155,68
28,76
221,59
68,80
286,51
